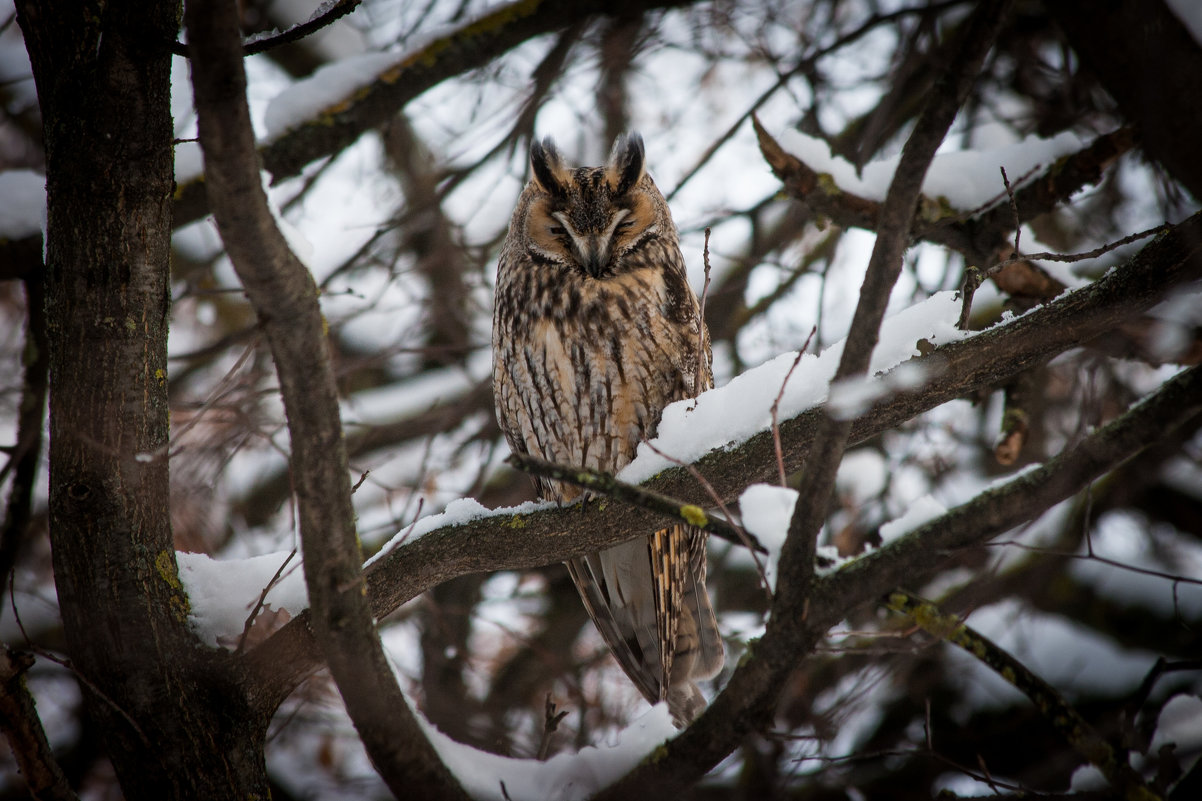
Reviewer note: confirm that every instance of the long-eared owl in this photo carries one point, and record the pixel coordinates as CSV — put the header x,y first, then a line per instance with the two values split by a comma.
x,y
595,331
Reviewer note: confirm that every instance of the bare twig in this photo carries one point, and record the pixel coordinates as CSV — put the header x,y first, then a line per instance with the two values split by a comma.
x,y
1018,223
250,619
293,34
745,539
776,446
1089,254
551,719
605,484
700,384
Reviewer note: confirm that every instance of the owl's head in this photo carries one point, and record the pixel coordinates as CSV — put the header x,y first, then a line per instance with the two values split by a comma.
x,y
589,218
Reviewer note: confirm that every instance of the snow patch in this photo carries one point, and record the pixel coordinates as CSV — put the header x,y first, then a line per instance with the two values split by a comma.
x,y
919,513
222,592
564,776
731,414
326,87
965,178
767,511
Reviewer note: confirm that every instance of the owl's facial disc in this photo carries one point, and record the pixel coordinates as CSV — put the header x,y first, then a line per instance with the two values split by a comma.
x,y
593,249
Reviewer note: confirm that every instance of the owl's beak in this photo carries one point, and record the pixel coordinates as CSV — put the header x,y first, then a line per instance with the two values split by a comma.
x,y
595,256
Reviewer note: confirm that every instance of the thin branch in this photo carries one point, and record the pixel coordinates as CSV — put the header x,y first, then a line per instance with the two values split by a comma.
x,y
699,378
604,484
745,539
293,34
285,299
776,446
254,613
19,719
551,721
1083,256
1018,225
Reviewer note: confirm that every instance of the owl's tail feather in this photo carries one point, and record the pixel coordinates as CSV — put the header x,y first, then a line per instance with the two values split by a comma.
x,y
699,652
621,592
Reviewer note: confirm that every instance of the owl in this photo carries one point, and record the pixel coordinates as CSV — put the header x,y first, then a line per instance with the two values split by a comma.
x,y
595,331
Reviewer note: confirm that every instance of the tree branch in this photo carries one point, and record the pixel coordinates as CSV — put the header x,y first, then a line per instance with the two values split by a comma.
x,y
19,719
284,297
981,236
1062,716
293,34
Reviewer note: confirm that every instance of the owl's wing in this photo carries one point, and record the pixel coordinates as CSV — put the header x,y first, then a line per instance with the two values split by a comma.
x,y
648,600
619,593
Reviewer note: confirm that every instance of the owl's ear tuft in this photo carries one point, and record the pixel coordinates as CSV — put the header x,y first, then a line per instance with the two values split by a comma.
x,y
625,166
549,169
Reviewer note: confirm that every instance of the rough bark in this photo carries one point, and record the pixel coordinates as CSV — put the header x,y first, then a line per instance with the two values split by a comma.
x,y
174,726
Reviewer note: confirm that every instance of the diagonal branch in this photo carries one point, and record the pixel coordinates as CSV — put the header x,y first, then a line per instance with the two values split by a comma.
x,y
21,725
607,485
1062,716
284,297
884,266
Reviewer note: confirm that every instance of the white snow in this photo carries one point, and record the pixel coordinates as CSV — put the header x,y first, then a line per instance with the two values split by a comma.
x,y
917,514
766,511
564,777
1180,723
965,178
731,414
222,592
24,208
331,84
457,512
863,475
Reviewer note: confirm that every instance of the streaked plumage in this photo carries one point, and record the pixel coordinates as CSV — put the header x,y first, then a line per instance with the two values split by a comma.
x,y
595,331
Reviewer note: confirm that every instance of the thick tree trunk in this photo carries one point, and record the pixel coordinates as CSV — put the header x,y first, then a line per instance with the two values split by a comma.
x,y
177,721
